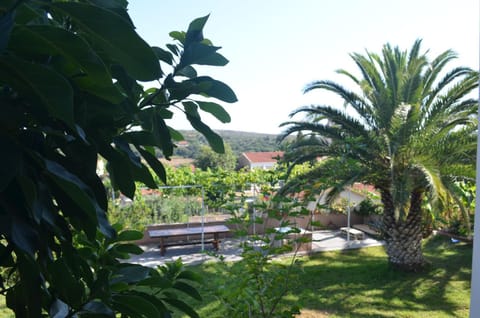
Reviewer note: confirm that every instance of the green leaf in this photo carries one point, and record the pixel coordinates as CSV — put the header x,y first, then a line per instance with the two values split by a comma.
x,y
139,171
129,235
213,88
187,71
135,304
173,48
122,179
164,113
156,282
155,164
163,55
130,273
191,109
198,24
143,175
24,237
114,36
178,35
69,288
162,136
78,61
204,85
214,140
141,137
189,275
10,161
75,189
194,32
40,85
176,135
6,25
129,248
215,59
97,307
117,6
187,289
216,110
124,147
27,14
180,305
202,54
180,91
58,309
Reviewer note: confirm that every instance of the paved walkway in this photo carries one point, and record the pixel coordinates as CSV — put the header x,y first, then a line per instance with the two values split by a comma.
x,y
229,249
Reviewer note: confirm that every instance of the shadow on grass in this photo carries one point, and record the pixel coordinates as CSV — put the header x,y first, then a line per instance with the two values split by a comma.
x,y
360,283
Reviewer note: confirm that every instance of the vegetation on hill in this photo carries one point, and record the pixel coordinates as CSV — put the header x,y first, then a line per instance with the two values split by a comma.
x,y
239,141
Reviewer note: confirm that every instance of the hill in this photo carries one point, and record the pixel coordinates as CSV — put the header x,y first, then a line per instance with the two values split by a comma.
x,y
239,141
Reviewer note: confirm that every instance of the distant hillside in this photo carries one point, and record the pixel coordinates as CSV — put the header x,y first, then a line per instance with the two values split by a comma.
x,y
240,141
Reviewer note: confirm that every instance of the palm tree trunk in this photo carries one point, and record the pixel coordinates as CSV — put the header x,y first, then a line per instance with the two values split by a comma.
x,y
403,238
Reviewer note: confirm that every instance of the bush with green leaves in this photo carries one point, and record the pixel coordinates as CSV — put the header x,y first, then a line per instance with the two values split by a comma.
x,y
71,93
155,209
256,286
368,207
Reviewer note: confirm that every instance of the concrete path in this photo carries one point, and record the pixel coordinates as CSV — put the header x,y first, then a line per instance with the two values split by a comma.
x,y
230,250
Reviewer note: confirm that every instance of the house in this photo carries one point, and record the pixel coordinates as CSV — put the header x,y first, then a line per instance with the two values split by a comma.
x,y
352,196
259,160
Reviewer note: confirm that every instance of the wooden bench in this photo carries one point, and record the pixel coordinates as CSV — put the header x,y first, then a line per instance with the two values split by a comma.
x,y
186,232
356,234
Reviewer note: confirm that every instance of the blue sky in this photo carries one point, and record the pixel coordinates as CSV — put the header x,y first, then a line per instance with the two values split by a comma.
x,y
276,47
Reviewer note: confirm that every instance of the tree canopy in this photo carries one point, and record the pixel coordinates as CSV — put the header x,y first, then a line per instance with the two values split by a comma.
x,y
70,93
408,127
208,159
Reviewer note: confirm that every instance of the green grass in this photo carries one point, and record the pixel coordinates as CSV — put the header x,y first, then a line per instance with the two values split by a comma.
x,y
359,283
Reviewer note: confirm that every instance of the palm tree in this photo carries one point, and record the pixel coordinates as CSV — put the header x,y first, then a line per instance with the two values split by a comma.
x,y
409,130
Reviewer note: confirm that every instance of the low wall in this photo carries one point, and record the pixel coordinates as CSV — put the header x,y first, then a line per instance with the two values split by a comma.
x,y
336,221
329,221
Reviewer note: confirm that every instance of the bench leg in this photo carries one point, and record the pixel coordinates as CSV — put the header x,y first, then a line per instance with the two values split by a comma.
x,y
163,248
215,241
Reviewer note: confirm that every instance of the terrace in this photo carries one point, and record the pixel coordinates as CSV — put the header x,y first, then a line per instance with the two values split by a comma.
x,y
325,240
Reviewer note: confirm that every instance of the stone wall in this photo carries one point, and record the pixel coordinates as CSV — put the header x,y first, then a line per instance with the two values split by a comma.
x,y
328,221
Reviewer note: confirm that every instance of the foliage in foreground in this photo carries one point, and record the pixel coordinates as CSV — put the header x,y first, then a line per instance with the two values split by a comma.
x,y
361,284
408,127
70,92
255,286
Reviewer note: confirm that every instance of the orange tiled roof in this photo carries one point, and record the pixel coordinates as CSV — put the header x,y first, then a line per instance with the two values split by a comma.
x,y
267,156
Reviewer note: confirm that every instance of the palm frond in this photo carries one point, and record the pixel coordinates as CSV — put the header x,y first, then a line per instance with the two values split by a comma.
x,y
435,68
360,105
413,129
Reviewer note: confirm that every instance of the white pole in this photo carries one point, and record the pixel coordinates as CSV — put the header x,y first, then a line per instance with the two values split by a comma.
x,y
254,192
203,220
348,217
475,291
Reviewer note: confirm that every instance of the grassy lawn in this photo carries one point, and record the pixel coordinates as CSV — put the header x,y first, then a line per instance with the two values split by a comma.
x,y
359,283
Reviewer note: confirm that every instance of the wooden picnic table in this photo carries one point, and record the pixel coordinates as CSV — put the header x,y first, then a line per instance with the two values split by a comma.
x,y
216,230
356,234
367,229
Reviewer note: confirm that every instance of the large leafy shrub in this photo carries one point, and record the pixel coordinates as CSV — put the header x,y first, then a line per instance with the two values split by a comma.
x,y
70,93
